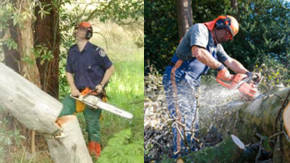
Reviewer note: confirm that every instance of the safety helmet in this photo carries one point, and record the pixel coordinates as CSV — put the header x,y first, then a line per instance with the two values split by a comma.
x,y
89,28
227,22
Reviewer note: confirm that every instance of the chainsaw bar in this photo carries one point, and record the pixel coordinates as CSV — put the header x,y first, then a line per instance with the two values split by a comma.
x,y
97,103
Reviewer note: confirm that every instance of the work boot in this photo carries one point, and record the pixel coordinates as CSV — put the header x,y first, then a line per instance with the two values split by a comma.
x,y
95,149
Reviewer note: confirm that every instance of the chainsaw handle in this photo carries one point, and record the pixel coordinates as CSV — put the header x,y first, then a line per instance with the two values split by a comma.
x,y
229,86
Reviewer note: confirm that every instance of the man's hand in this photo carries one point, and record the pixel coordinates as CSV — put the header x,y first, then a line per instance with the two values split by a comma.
x,y
99,88
75,92
224,74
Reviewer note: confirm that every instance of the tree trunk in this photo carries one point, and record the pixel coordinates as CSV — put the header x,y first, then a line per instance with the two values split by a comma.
x,y
39,111
47,35
68,147
234,4
245,120
184,16
28,67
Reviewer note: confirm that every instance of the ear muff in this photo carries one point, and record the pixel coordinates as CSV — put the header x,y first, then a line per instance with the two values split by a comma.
x,y
223,23
89,33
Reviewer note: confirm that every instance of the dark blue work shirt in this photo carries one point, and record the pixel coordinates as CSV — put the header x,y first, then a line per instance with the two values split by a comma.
x,y
88,66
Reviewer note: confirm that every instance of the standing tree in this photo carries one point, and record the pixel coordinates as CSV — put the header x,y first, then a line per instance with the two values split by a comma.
x,y
234,4
184,16
47,43
25,42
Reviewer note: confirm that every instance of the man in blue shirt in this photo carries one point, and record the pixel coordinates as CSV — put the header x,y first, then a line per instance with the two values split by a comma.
x,y
88,66
199,50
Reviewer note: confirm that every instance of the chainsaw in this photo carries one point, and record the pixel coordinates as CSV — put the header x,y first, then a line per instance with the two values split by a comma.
x,y
247,85
89,98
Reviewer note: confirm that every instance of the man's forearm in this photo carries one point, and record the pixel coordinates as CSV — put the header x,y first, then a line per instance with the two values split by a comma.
x,y
107,75
70,80
236,66
205,57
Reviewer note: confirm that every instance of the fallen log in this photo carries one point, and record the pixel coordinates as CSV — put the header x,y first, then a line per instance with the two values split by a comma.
x,y
223,110
286,118
247,119
27,103
39,111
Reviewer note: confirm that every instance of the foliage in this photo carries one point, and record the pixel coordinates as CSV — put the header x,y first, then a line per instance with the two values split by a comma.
x,y
263,33
274,73
120,10
161,34
123,12
9,139
43,53
123,148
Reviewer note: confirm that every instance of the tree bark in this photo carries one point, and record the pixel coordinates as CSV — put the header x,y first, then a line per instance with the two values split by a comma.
x,y
39,111
47,35
184,16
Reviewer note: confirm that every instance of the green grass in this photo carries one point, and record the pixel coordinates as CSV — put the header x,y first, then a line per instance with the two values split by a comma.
x,y
126,90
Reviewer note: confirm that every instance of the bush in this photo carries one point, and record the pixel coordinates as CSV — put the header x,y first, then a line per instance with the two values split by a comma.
x,y
123,148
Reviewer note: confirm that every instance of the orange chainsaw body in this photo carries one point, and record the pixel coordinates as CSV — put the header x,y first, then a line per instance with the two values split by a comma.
x,y
242,83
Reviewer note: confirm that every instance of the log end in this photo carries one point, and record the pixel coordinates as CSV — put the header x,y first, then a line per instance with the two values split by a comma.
x,y
64,119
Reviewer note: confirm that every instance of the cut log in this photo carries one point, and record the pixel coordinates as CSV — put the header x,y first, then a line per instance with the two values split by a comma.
x,y
246,119
68,147
27,103
39,111
221,112
286,118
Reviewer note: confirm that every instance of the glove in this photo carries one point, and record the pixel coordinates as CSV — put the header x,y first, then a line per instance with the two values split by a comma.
x,y
224,74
